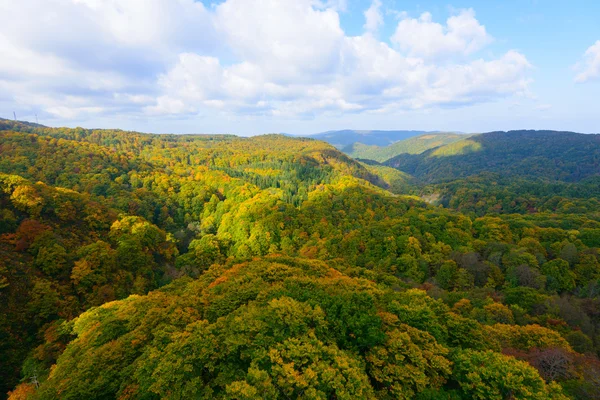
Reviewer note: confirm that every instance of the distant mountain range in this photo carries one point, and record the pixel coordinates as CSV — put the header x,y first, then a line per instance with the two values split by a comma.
x,y
346,137
412,145
551,155
380,145
434,157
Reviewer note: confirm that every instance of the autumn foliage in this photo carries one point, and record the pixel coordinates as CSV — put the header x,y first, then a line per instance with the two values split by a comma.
x,y
140,266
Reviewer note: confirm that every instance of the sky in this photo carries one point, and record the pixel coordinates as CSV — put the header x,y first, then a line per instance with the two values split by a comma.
x,y
301,66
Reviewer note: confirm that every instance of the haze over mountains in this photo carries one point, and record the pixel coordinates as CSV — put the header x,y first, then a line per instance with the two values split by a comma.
x,y
346,137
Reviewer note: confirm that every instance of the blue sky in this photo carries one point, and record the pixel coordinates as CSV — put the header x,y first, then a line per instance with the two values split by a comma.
x,y
302,66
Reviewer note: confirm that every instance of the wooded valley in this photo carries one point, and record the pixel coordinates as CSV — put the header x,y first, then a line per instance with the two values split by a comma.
x,y
141,266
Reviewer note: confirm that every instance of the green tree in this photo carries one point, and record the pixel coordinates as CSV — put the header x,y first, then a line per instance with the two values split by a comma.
x,y
490,375
559,276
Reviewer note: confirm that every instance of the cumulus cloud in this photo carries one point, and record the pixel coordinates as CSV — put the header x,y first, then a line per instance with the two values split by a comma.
x,y
75,57
373,17
282,58
291,39
422,37
338,5
590,65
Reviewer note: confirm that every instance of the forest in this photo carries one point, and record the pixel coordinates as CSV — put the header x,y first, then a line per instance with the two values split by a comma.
x,y
414,145
142,266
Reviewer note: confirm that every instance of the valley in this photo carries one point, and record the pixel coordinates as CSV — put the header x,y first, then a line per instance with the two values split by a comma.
x,y
150,266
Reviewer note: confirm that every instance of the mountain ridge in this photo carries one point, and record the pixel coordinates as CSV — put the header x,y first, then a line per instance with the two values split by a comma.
x,y
345,137
555,155
413,145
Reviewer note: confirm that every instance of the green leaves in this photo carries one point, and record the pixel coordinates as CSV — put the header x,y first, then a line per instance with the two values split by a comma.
x,y
409,362
300,265
308,331
560,278
489,375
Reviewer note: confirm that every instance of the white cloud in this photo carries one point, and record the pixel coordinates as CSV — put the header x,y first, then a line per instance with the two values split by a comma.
x,y
337,5
197,81
166,105
72,28
462,35
18,63
283,58
290,39
478,81
590,65
370,76
373,17
98,52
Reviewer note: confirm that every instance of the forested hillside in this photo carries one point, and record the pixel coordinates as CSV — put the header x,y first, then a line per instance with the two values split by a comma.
x,y
140,266
413,145
560,156
509,172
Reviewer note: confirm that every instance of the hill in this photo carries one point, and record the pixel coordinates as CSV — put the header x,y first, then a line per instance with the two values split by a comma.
x,y
341,139
551,155
8,122
413,145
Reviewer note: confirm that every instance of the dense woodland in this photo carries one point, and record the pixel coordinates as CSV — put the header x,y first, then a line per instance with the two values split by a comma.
x,y
561,156
414,145
139,266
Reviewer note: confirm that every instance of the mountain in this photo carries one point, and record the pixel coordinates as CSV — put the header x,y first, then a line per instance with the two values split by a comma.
x,y
148,266
15,124
346,137
551,155
412,145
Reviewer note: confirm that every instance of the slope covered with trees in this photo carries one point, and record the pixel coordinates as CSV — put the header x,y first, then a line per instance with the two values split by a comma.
x,y
413,145
509,172
166,266
559,156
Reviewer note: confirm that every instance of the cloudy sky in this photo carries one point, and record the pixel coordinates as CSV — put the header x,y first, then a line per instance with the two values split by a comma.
x,y
302,66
